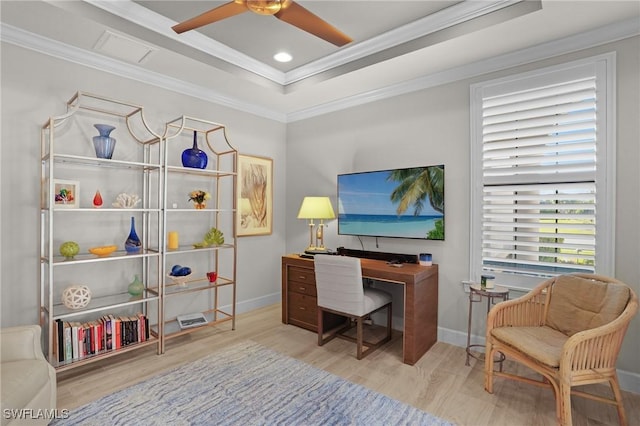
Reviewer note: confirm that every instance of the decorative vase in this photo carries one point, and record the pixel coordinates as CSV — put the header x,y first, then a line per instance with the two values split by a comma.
x,y
200,206
194,157
136,287
104,144
76,296
97,200
133,243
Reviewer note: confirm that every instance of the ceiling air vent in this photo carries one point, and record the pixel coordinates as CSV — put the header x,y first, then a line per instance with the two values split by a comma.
x,y
121,47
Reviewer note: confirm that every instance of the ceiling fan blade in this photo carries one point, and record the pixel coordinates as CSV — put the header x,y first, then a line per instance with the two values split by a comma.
x,y
302,18
217,14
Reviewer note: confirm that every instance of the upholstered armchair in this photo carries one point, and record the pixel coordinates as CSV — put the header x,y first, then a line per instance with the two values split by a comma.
x,y
28,380
569,329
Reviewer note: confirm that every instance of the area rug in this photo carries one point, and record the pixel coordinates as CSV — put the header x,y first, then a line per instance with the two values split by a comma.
x,y
247,384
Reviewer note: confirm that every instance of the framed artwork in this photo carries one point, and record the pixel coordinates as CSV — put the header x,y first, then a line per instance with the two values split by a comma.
x,y
66,193
255,195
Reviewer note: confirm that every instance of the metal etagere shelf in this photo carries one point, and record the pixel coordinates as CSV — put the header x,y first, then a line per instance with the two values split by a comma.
x,y
219,179
145,162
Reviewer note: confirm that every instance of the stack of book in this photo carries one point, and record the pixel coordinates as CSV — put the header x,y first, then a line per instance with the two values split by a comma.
x,y
76,340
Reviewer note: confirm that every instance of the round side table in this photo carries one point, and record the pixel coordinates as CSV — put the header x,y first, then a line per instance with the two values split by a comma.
x,y
476,294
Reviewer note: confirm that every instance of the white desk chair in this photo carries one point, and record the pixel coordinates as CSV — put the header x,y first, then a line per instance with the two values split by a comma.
x,y
340,291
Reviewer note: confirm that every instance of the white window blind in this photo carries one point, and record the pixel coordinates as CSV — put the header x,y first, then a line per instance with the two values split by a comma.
x,y
539,147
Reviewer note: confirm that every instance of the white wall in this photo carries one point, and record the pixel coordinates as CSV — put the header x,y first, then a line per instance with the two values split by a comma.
x,y
35,87
426,127
432,127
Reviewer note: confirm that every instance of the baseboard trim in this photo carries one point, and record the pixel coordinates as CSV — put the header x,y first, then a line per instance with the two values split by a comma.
x,y
258,302
629,381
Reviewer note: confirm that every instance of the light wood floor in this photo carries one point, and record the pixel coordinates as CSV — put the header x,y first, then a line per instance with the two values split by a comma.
x,y
439,383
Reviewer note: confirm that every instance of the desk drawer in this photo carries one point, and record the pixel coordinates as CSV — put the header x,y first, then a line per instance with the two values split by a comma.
x,y
302,275
303,308
302,288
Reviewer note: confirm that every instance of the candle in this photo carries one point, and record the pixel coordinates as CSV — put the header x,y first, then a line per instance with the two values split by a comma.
x,y
172,244
487,281
425,259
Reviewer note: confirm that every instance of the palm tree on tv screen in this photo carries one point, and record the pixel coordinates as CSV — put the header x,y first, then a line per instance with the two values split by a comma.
x,y
416,186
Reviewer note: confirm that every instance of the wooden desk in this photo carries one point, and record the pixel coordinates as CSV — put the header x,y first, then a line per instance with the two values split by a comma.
x,y
299,303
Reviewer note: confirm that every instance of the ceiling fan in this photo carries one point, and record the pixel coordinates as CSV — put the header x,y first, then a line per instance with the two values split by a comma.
x,y
285,10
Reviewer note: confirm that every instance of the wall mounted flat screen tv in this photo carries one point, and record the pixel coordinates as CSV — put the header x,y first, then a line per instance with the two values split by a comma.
x,y
401,203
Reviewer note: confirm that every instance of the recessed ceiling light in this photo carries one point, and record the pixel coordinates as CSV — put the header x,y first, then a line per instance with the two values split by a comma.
x,y
282,57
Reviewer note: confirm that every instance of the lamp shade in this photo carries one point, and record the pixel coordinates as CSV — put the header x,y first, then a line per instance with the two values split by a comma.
x,y
316,208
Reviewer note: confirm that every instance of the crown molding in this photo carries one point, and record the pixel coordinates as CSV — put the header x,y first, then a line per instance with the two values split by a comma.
x,y
593,38
47,46
599,36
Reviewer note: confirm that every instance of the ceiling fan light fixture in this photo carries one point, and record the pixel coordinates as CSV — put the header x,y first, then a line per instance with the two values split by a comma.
x,y
285,10
266,7
282,57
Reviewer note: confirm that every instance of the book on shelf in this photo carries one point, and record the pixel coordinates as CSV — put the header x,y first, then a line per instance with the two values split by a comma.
x,y
90,338
108,332
75,346
133,323
117,340
59,349
143,327
81,347
191,320
145,321
68,344
126,330
87,338
74,340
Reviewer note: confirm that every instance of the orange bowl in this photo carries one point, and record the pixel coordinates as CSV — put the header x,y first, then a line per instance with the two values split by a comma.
x,y
103,250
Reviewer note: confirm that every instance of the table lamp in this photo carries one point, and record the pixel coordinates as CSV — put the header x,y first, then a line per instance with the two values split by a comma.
x,y
316,208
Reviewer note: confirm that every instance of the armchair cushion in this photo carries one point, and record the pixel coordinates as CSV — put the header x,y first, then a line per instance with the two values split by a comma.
x,y
575,307
28,380
543,344
21,380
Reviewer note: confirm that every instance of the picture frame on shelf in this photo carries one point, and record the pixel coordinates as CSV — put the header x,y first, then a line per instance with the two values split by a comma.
x,y
254,196
66,194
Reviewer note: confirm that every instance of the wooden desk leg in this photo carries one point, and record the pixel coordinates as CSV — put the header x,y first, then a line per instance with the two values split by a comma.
x,y
420,318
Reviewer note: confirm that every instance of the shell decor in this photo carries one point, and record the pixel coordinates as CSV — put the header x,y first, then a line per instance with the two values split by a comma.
x,y
76,296
126,201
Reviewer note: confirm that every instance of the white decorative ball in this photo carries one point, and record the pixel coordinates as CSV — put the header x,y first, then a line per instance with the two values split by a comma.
x,y
76,296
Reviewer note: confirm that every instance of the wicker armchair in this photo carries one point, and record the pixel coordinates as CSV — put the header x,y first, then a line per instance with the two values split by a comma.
x,y
569,329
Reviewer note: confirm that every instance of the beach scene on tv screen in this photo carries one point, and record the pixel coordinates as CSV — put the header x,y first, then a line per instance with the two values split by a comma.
x,y
404,203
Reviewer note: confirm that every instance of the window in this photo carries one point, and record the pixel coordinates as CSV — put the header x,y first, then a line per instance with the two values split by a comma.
x,y
542,189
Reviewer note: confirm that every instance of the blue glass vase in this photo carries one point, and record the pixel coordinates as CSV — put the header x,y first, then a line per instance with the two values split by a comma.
x,y
104,144
133,243
194,157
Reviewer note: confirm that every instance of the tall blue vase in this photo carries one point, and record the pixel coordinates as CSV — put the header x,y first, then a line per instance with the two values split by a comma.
x,y
104,144
194,158
133,243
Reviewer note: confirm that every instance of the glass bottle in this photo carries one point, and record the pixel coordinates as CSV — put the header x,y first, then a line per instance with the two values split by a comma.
x,y
136,287
132,243
194,157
